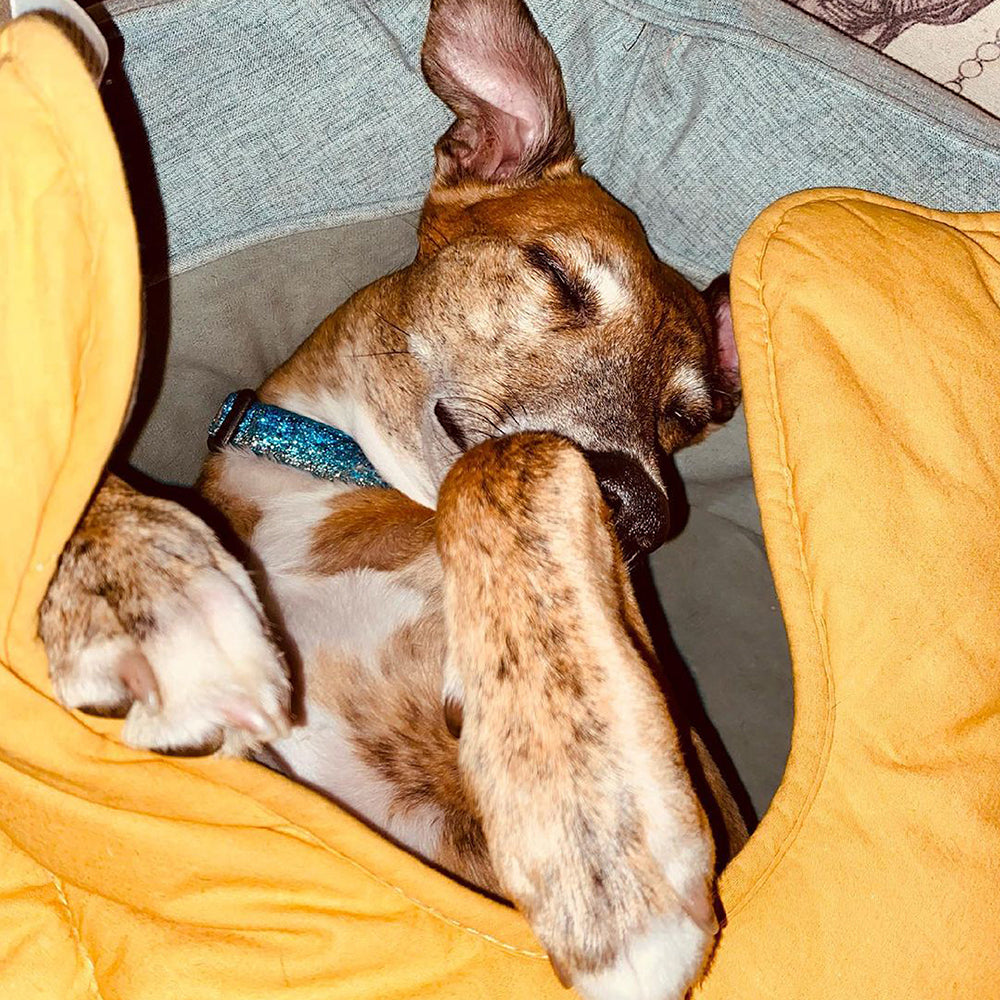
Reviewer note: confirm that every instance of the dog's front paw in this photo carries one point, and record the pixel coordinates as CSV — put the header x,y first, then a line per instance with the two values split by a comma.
x,y
613,873
150,619
660,962
566,743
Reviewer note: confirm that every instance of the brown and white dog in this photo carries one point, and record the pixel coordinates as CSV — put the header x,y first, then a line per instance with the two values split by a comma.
x,y
475,675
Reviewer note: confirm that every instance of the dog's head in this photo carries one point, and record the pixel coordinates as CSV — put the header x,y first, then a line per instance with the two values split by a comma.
x,y
537,303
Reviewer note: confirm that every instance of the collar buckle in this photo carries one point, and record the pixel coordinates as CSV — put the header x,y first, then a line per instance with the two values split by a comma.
x,y
220,436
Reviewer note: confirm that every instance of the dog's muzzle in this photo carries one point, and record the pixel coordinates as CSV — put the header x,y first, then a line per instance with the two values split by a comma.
x,y
638,506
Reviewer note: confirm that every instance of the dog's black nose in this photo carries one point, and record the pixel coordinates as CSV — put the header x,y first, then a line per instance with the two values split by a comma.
x,y
639,508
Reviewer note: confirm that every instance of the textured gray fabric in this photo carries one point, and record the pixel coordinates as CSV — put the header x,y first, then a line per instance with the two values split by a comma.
x,y
267,117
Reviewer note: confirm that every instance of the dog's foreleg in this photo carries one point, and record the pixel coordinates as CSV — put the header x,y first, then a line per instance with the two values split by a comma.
x,y
566,743
149,618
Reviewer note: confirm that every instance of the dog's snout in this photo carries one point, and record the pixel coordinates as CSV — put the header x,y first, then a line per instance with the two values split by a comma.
x,y
639,508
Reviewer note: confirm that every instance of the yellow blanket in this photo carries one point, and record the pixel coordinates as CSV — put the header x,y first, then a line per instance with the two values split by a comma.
x,y
868,337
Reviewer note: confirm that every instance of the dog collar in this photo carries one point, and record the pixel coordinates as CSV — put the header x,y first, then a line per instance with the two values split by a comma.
x,y
243,421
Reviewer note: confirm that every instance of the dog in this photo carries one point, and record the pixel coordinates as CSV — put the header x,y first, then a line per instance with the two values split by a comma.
x,y
475,674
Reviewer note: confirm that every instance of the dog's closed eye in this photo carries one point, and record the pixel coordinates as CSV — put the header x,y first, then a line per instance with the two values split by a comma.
x,y
693,421
688,402
576,295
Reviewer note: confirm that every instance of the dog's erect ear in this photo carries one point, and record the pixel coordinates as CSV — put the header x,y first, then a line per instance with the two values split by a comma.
x,y
726,388
487,61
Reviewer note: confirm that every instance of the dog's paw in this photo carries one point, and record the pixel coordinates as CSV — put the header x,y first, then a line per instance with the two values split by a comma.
x,y
617,884
566,743
659,963
150,619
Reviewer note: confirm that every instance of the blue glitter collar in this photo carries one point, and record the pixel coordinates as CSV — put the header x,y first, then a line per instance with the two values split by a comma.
x,y
243,421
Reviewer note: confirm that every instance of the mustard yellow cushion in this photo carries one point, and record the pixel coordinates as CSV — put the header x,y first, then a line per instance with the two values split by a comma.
x,y
869,341
867,334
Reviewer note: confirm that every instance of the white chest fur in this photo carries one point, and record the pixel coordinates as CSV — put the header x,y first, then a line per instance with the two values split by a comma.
x,y
348,615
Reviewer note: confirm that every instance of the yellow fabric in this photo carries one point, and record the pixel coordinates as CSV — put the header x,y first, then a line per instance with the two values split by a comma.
x,y
874,435
869,341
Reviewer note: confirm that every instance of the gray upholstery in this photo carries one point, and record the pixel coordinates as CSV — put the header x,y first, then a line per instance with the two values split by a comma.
x,y
268,117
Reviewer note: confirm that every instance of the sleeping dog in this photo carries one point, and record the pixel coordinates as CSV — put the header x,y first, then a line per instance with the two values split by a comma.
x,y
475,675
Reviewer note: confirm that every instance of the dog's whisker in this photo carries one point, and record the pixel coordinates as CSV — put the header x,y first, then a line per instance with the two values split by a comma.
x,y
480,402
394,326
495,398
502,410
508,411
442,240
466,411
428,229
379,354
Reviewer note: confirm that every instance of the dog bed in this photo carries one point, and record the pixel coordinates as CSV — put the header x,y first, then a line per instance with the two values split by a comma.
x,y
865,329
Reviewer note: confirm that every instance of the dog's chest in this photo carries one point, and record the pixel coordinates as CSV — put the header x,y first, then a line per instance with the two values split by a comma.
x,y
368,643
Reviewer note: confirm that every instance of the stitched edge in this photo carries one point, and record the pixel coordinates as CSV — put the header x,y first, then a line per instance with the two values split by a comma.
x,y
964,223
795,526
284,826
70,919
426,907
75,931
737,34
640,65
87,211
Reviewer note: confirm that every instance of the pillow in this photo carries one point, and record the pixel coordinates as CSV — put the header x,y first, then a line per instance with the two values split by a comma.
x,y
869,340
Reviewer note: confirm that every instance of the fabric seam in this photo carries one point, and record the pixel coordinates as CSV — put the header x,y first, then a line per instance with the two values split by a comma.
x,y
70,165
795,523
75,931
733,35
954,221
640,66
282,824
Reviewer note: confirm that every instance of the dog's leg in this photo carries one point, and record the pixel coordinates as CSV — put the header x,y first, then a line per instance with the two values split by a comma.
x,y
148,617
566,743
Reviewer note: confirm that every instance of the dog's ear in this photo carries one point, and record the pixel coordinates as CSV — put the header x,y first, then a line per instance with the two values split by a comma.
x,y
487,60
726,384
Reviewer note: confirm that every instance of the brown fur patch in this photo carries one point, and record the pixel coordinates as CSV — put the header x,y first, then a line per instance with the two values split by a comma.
x,y
371,529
